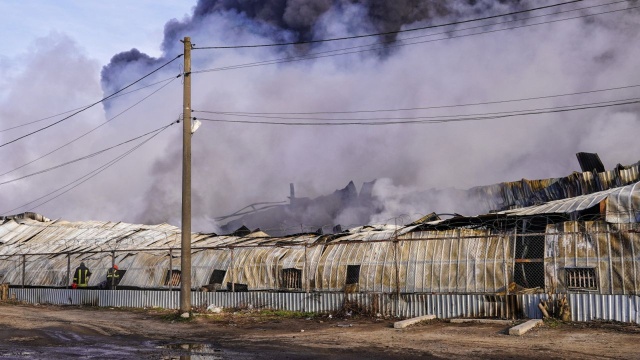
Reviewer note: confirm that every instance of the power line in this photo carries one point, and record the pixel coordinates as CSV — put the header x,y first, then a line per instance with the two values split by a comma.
x,y
421,120
258,114
84,157
491,24
332,53
85,177
93,104
438,118
90,131
389,32
81,107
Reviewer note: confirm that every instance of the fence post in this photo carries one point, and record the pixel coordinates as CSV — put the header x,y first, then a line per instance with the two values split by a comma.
x,y
68,270
233,273
506,278
515,240
24,268
396,265
276,274
170,270
305,271
397,271
113,263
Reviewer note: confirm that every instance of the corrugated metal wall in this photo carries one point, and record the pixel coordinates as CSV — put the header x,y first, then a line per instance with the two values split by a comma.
x,y
584,307
613,250
385,259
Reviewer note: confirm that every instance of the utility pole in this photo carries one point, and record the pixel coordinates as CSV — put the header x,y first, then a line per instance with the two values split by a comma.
x,y
185,249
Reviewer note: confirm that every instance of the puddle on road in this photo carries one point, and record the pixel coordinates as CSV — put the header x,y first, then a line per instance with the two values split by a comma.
x,y
144,350
193,351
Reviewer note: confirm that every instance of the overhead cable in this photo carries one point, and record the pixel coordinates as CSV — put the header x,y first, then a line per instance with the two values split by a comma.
x,y
420,120
93,104
84,157
82,107
437,117
88,132
378,46
389,32
259,114
77,182
460,116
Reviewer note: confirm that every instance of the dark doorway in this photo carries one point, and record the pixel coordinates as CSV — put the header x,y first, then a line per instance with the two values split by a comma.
x,y
528,271
353,274
217,277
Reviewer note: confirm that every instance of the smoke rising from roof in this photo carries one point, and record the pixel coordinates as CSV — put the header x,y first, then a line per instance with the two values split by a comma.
x,y
235,165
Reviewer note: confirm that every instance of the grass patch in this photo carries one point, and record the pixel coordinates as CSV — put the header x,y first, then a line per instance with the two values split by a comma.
x,y
285,314
12,302
253,316
174,316
553,322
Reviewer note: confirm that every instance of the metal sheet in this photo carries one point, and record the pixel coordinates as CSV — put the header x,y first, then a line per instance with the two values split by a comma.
x,y
623,205
584,307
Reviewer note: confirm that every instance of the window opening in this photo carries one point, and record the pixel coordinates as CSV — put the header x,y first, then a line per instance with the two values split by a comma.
x,y
237,287
292,278
353,274
217,277
581,278
172,278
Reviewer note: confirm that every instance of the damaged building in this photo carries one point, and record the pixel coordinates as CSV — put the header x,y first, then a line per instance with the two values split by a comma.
x,y
572,235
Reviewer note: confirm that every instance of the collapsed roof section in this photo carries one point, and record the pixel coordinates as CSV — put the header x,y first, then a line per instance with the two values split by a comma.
x,y
22,234
327,212
365,258
617,205
524,193
304,214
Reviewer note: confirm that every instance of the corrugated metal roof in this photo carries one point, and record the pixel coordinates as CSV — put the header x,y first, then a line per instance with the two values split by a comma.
x,y
590,162
623,205
523,193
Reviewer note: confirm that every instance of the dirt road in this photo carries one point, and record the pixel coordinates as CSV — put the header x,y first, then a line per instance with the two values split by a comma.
x,y
39,332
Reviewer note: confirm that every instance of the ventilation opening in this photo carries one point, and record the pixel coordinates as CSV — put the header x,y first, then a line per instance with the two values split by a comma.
x,y
353,274
120,273
215,281
237,287
292,279
172,278
581,278
217,277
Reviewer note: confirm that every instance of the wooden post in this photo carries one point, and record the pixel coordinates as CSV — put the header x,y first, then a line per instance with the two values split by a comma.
x,y
68,269
233,273
185,249
305,271
113,263
24,268
170,270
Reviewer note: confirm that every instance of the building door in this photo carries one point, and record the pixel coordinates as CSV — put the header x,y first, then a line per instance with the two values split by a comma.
x,y
528,271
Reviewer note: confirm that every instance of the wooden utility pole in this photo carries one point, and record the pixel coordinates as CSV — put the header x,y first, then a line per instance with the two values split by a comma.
x,y
185,249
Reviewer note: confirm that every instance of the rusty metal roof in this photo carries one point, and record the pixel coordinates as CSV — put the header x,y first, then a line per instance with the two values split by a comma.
x,y
622,205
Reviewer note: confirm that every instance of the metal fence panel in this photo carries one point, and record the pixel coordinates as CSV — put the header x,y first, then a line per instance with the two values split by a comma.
x,y
584,307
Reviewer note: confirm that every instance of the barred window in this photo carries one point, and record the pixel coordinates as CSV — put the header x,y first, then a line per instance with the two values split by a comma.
x,y
581,278
292,279
172,278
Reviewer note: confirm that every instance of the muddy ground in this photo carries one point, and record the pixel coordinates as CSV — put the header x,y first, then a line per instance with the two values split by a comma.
x,y
52,332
